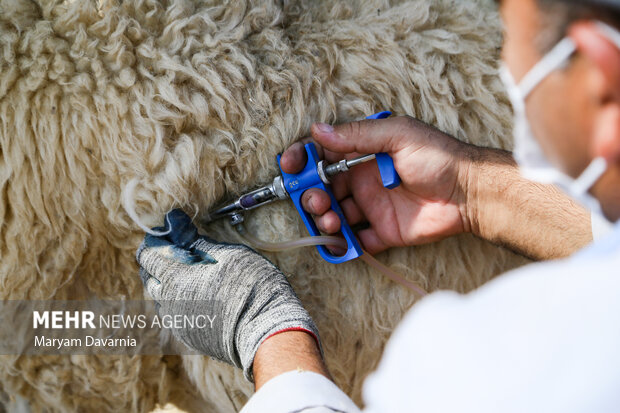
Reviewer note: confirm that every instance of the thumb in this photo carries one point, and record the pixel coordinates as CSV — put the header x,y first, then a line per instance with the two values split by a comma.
x,y
365,136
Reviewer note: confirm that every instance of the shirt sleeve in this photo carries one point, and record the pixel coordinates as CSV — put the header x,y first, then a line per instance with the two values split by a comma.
x,y
297,391
543,338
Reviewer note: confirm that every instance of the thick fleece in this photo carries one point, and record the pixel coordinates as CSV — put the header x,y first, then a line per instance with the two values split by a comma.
x,y
194,99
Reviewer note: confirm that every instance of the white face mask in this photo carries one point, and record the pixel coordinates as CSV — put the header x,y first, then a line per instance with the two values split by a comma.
x,y
530,157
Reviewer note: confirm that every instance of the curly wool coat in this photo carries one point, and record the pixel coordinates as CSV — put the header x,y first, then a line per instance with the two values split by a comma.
x,y
195,99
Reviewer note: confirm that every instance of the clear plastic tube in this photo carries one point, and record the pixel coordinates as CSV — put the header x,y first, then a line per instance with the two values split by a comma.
x,y
391,274
333,241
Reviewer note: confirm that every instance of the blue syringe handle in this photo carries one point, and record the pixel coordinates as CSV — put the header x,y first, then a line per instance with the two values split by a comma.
x,y
297,184
389,176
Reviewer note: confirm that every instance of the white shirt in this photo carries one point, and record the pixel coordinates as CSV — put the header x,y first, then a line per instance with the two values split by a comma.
x,y
543,338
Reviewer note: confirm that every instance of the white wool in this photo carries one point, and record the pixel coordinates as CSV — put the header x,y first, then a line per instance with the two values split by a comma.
x,y
194,100
129,205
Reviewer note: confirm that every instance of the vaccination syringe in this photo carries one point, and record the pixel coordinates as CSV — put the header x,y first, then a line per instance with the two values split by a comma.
x,y
276,190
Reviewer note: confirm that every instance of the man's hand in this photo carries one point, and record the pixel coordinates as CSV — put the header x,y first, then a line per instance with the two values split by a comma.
x,y
430,204
188,274
448,187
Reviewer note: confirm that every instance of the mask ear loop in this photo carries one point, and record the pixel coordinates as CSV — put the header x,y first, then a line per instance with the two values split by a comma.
x,y
511,87
598,166
609,32
552,61
558,55
590,176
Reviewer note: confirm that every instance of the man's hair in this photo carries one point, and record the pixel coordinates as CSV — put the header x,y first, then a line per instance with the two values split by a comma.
x,y
558,15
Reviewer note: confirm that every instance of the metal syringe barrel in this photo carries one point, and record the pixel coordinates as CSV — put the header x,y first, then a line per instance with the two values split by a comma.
x,y
254,199
327,172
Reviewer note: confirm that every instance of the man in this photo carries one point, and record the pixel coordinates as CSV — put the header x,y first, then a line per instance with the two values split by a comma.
x,y
541,338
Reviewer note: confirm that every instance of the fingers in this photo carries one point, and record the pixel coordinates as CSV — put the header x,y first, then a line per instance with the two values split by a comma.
x,y
144,275
155,260
362,137
371,241
366,136
294,158
340,186
152,286
163,261
318,203
328,223
352,211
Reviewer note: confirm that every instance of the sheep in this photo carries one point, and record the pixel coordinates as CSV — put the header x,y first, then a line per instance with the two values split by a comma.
x,y
193,101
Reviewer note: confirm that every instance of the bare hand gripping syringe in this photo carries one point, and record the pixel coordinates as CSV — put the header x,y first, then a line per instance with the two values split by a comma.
x,y
314,175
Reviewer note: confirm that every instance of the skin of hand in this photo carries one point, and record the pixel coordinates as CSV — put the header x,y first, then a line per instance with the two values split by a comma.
x,y
413,213
443,183
284,352
448,187
489,198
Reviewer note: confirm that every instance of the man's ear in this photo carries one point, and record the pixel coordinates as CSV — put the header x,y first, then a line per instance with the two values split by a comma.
x,y
603,62
600,52
605,140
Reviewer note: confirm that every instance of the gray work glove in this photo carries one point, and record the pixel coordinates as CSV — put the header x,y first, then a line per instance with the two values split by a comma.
x,y
250,298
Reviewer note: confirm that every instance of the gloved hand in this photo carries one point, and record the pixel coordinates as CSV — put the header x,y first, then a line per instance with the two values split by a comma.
x,y
250,298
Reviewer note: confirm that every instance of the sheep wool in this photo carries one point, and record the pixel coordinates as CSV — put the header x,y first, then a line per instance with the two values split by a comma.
x,y
193,100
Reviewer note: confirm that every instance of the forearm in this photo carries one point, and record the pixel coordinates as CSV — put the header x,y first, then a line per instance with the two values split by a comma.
x,y
291,350
538,221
